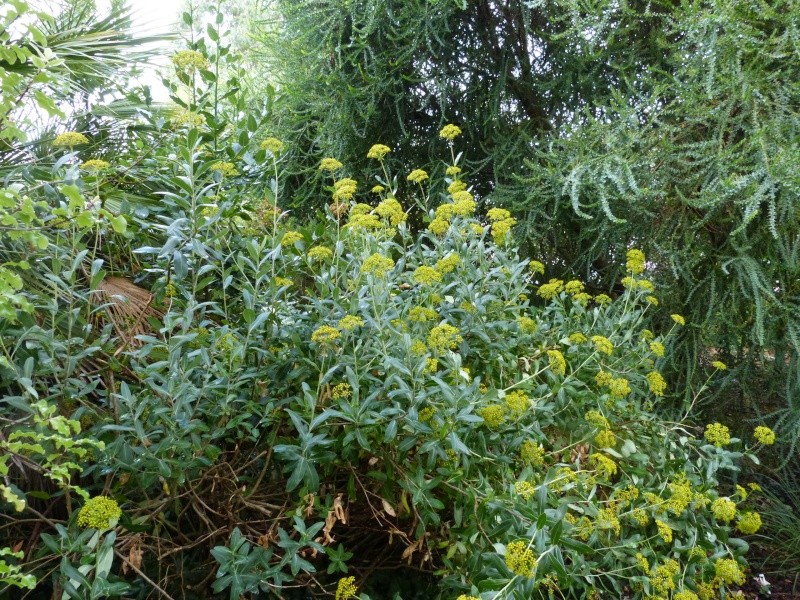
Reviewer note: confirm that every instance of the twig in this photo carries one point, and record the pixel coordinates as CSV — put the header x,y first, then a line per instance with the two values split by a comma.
x,y
143,576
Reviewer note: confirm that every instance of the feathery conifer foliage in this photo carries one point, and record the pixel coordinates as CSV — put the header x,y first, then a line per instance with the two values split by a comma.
x,y
354,73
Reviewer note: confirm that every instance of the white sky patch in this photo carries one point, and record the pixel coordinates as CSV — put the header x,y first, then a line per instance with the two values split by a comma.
x,y
155,17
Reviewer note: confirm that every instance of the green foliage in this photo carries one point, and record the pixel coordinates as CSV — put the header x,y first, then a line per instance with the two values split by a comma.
x,y
352,74
603,125
702,165
274,402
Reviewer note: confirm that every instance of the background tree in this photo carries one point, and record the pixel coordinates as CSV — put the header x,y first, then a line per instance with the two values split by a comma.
x,y
507,72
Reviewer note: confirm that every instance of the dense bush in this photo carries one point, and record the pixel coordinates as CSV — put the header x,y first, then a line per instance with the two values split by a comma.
x,y
303,393
668,125
205,395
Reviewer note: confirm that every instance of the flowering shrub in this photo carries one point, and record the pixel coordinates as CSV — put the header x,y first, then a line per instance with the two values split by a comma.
x,y
300,392
514,444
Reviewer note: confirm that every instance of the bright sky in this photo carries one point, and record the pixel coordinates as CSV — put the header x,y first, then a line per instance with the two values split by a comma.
x,y
154,17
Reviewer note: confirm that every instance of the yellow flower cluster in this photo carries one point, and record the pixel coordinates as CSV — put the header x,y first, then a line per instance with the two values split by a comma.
x,y
584,526
426,414
593,417
226,342
290,238
642,562
657,348
350,322
457,186
444,337
94,165
741,492
391,210
439,226
619,387
707,590
678,319
525,489
189,60
607,519
99,512
550,290
717,434
629,494
426,275
450,132
636,261
273,145
465,597
520,559
70,139
225,168
448,263
431,366
421,314
719,365
657,383
603,299
417,176
527,325
605,466
536,267
605,439
532,453
282,282
577,338
210,211
603,378
664,530
377,265
341,390
603,344
764,435
652,300
464,204
558,364
344,189
748,522
662,577
346,588
502,222
326,335
363,221
573,287
728,571
723,509
187,118
494,415
640,516
378,151
681,496
582,298
319,254
330,165
697,553
518,402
